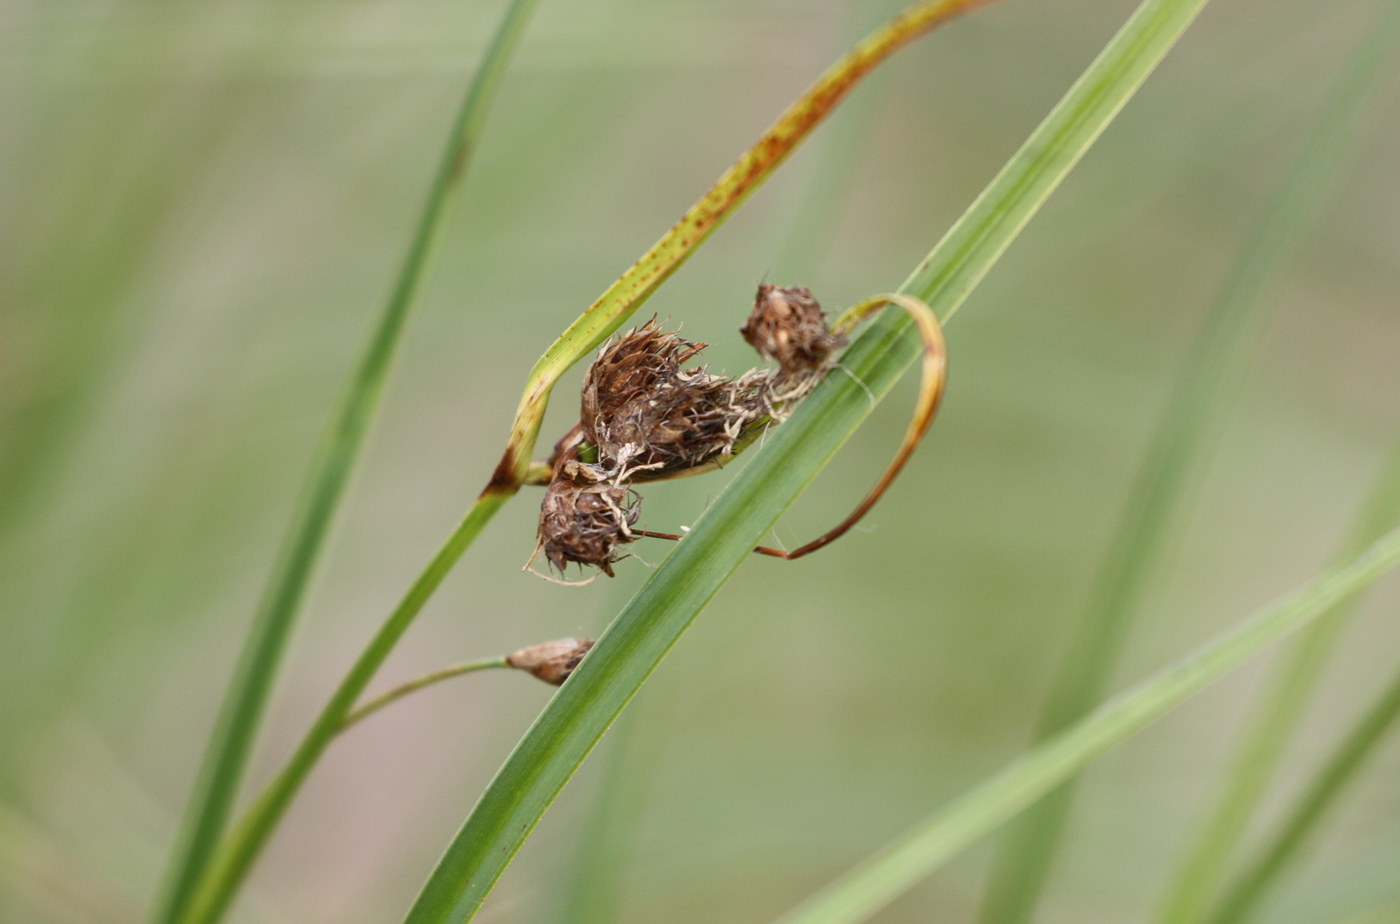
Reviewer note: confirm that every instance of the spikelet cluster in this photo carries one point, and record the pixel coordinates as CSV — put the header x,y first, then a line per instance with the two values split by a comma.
x,y
649,417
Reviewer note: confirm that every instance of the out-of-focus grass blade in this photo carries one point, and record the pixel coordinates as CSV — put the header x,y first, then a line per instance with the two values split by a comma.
x,y
867,888
792,455
236,854
1184,439
227,755
1288,692
1358,889
1242,898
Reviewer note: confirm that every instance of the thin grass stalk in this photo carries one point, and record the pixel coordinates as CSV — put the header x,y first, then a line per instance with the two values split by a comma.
x,y
1276,718
226,757
746,509
1242,898
418,683
236,855
869,887
1185,437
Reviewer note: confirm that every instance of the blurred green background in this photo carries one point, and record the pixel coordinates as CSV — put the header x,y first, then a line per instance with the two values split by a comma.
x,y
203,208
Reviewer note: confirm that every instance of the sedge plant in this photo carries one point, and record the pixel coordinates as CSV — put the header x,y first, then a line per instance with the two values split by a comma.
x,y
788,459
207,873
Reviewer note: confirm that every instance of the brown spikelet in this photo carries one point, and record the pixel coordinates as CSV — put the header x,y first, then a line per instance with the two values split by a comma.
x,y
585,523
648,416
787,327
551,662
628,372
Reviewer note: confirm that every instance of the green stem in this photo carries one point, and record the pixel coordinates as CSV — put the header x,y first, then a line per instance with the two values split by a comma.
x,y
418,683
1186,434
227,756
869,887
1243,897
236,854
1272,726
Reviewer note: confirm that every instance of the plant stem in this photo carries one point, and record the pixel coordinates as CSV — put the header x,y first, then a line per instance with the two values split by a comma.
x,y
867,888
236,854
1243,897
227,755
1184,438
418,683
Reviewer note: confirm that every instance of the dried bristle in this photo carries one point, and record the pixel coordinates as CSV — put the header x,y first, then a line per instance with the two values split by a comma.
x,y
787,327
586,523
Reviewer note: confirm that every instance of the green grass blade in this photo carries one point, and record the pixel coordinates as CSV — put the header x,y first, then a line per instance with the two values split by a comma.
x,y
226,757
235,856
792,455
1288,692
600,849
1184,438
1365,888
1242,898
868,887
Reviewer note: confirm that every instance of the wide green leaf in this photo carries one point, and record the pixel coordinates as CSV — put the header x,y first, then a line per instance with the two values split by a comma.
x,y
639,638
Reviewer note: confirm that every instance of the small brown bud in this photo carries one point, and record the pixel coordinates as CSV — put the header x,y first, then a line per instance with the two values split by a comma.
x,y
551,662
787,327
585,523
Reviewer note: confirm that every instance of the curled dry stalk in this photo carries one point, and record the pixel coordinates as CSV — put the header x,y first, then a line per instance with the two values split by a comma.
x,y
933,382
225,870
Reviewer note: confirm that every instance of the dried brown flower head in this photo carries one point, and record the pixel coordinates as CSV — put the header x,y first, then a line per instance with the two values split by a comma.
x,y
628,373
551,662
648,416
585,523
787,327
